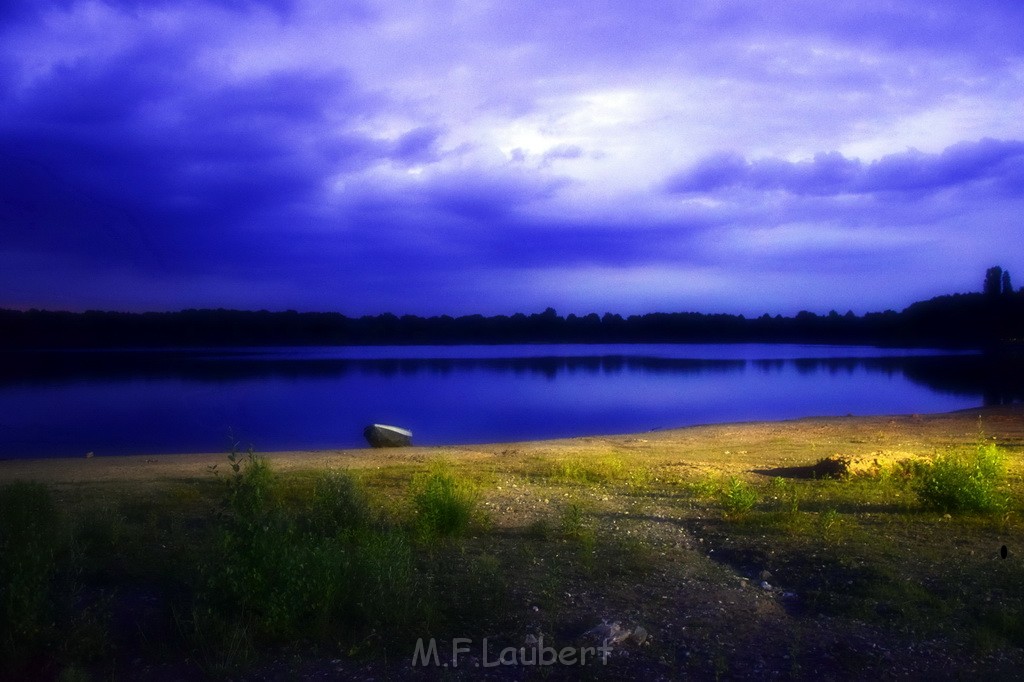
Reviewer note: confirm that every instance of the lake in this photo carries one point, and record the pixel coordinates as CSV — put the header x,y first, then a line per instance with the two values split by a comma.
x,y
203,400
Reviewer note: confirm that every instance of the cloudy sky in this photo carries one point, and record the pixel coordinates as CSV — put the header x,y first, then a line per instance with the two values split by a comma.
x,y
447,156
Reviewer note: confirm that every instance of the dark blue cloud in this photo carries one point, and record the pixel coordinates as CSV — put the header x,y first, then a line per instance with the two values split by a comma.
x,y
143,161
30,10
562,151
418,145
962,163
487,197
831,173
711,173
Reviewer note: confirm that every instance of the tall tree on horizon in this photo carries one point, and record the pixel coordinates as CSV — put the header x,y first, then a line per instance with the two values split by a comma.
x,y
993,281
1007,285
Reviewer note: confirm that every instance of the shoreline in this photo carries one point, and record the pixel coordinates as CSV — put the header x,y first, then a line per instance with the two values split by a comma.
x,y
734,447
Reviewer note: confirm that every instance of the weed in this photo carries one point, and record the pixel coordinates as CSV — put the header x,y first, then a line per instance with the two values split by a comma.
x,y
444,503
539,529
575,526
786,494
250,486
737,496
830,525
957,481
573,523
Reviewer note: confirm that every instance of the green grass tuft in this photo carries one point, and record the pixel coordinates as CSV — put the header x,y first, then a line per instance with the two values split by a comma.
x,y
594,469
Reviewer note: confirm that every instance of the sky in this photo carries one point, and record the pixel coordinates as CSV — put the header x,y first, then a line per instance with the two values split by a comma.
x,y
459,157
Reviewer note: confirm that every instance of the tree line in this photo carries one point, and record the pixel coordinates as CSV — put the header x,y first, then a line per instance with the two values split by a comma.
x,y
993,316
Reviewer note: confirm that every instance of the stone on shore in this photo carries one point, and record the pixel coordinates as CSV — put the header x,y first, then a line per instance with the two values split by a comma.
x,y
385,436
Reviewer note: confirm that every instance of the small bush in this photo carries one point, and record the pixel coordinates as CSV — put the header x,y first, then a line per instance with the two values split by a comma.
x,y
250,486
339,503
956,481
265,573
444,502
737,496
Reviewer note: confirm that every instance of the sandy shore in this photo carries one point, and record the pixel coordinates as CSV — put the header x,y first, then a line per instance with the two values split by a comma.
x,y
730,448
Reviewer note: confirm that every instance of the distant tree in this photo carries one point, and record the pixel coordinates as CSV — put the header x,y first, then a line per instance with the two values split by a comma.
x,y
1007,285
993,281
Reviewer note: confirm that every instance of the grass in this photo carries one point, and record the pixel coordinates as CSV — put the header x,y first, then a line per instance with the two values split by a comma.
x,y
315,569
591,469
255,565
30,542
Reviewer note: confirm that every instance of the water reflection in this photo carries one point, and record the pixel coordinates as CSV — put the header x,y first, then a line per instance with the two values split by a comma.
x,y
68,403
58,367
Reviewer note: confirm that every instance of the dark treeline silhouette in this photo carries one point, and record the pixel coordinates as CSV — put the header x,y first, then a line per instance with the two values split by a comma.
x,y
993,317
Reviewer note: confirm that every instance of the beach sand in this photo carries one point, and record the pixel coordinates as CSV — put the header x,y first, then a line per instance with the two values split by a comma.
x,y
727,448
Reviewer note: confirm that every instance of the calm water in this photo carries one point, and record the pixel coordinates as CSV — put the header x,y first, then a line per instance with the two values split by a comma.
x,y
141,402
